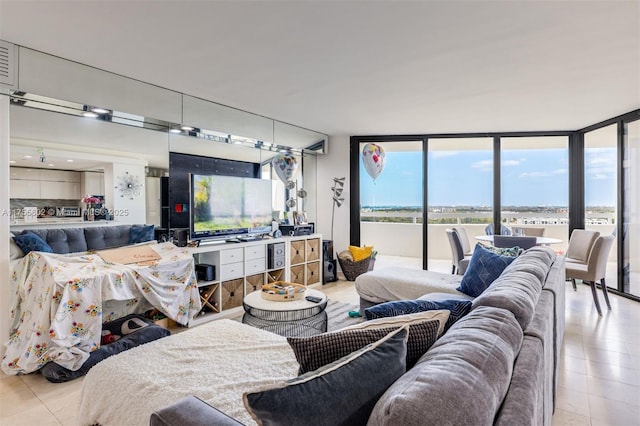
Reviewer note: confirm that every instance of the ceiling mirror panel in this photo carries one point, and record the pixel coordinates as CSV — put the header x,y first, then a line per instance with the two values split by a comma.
x,y
287,135
80,83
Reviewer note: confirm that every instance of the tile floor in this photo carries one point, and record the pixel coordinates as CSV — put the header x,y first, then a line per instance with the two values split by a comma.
x,y
599,371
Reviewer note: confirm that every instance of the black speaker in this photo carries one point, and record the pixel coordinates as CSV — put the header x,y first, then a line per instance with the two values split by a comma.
x,y
205,272
327,249
180,237
330,272
161,235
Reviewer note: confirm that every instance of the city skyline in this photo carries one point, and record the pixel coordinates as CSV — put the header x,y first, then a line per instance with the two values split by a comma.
x,y
529,178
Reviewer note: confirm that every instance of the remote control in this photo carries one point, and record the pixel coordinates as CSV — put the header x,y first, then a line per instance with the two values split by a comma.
x,y
314,299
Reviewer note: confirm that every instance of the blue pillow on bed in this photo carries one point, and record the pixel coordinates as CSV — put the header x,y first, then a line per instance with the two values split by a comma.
x,y
457,307
140,234
32,242
484,267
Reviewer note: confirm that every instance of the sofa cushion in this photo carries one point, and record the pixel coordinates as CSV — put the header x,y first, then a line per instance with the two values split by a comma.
x,y
461,380
523,405
340,393
484,267
518,288
29,242
102,237
442,316
317,351
505,251
63,240
141,233
458,309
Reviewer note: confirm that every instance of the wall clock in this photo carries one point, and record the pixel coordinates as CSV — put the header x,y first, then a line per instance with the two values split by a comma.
x,y
128,185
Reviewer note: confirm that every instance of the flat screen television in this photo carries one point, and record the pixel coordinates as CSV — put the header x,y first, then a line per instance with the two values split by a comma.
x,y
224,207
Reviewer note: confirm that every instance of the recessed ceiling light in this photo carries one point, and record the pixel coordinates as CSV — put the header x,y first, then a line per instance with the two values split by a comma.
x,y
51,164
27,157
175,131
187,128
100,110
90,114
69,161
12,162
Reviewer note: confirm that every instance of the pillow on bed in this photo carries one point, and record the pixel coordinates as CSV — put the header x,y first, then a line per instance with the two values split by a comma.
x,y
141,233
14,250
29,242
341,393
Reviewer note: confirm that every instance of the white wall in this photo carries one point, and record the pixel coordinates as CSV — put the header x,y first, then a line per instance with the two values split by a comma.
x,y
4,223
334,164
126,210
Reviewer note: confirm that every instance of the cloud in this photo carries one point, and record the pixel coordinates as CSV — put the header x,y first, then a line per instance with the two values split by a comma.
x,y
511,163
483,165
541,174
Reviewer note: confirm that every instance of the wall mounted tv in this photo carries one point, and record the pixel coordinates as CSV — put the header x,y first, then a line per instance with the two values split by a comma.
x,y
224,207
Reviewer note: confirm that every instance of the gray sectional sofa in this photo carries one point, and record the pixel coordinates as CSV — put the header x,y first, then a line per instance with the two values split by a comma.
x,y
73,240
497,365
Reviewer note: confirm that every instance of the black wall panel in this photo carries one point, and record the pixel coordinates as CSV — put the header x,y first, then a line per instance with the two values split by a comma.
x,y
181,165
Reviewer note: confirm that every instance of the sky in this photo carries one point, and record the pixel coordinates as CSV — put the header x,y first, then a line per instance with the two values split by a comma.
x,y
529,178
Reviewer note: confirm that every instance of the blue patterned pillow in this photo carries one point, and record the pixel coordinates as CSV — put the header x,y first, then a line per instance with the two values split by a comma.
x,y
484,267
457,307
140,234
31,242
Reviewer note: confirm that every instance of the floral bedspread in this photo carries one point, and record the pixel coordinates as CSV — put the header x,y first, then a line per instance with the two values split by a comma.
x,y
59,302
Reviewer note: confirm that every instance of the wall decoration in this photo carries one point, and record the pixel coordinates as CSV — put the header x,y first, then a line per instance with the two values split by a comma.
x,y
373,159
129,186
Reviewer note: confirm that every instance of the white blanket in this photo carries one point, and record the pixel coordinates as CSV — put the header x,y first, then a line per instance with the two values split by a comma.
x,y
216,362
59,302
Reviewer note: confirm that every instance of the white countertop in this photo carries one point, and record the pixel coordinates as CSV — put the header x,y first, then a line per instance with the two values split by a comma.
x,y
55,222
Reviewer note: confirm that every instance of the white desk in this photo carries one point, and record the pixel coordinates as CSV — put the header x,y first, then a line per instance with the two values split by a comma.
x,y
540,241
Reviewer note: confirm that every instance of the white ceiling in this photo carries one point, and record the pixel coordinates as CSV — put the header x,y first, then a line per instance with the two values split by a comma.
x,y
362,67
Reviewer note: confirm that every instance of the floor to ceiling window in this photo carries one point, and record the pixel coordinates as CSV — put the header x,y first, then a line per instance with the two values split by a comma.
x,y
631,214
600,188
391,199
460,188
535,185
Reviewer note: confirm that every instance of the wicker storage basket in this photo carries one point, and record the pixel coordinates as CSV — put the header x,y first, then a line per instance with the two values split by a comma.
x,y
253,283
232,293
353,269
297,274
313,273
297,252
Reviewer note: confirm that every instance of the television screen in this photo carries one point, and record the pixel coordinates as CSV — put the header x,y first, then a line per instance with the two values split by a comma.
x,y
229,206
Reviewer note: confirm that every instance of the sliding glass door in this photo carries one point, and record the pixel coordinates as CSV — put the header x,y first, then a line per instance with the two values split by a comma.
x,y
460,188
535,185
600,189
391,201
631,211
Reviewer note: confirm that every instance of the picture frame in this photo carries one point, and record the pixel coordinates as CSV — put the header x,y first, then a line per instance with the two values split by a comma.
x,y
300,217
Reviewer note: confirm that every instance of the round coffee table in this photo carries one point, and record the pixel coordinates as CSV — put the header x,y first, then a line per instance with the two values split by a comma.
x,y
296,318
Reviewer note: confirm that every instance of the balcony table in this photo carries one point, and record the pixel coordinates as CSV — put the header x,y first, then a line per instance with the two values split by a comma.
x,y
540,241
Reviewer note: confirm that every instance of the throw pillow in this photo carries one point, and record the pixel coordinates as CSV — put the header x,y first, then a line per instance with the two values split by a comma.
x,y
457,308
29,242
484,267
360,253
442,316
317,351
341,393
140,233
14,250
506,251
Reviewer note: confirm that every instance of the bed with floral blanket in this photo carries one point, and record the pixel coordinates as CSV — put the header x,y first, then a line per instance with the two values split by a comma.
x,y
59,302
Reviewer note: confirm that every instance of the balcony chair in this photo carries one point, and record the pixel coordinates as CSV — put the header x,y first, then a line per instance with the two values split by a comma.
x,y
503,230
464,241
594,270
580,245
459,260
527,231
505,241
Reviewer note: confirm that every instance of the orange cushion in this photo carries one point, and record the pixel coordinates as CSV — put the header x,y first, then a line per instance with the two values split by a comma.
x,y
360,253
